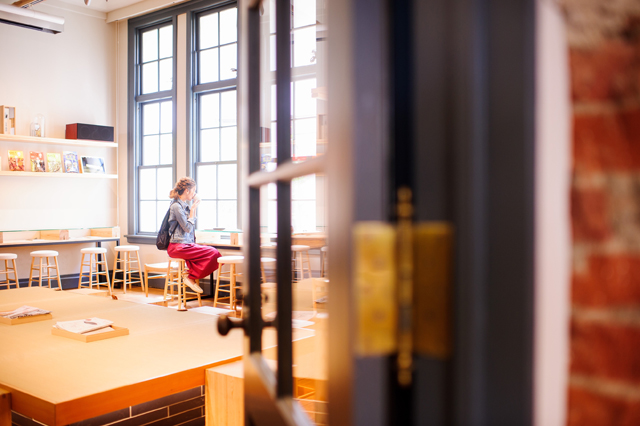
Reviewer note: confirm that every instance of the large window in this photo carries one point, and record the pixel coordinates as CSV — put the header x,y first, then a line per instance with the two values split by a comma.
x,y
208,141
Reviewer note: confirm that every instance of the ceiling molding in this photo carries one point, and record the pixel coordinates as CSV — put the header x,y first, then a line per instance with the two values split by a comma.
x,y
140,8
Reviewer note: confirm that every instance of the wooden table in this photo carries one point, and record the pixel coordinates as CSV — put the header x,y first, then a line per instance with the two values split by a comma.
x,y
39,242
58,381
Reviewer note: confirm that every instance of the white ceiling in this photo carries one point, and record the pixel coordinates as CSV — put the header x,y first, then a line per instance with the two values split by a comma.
x,y
102,5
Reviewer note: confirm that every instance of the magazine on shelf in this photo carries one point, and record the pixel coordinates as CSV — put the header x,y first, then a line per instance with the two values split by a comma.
x,y
70,162
37,161
16,161
93,165
54,162
23,311
83,326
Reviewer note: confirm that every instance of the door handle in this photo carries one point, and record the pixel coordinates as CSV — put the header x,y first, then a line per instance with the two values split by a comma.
x,y
226,324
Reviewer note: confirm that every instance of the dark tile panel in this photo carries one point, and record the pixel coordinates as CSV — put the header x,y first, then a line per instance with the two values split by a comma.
x,y
104,419
186,405
180,418
166,401
200,421
145,418
20,420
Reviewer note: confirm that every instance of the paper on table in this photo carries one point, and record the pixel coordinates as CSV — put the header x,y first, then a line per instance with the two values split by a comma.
x,y
23,311
83,326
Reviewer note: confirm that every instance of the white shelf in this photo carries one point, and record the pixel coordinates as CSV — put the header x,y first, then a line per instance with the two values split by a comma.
x,y
60,175
56,141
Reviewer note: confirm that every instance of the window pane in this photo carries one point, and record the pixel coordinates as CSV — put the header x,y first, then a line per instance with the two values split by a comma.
x,y
166,115
148,216
209,145
148,184
272,191
150,77
162,207
209,65
229,108
227,181
272,224
165,183
150,150
228,61
228,214
206,215
209,111
150,45
304,103
303,188
305,138
303,216
166,149
207,182
229,26
166,41
229,143
304,13
150,116
304,46
166,74
208,31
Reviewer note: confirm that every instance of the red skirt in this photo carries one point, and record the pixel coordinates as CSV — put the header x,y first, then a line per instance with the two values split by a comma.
x,y
201,260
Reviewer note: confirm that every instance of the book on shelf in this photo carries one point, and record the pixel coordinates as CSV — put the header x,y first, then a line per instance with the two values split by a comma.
x,y
70,162
54,162
16,161
37,161
93,165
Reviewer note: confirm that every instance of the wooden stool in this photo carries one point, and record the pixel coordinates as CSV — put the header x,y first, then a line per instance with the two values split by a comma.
x,y
264,260
324,252
230,288
94,264
125,260
297,252
8,268
176,269
45,254
159,270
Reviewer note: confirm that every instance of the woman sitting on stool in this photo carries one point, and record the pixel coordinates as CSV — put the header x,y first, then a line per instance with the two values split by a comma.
x,y
201,260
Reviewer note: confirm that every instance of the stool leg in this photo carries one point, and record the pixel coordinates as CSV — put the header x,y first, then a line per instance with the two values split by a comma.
x,y
106,271
55,260
142,283
309,265
40,278
182,297
215,298
232,287
15,274
33,259
115,268
198,294
81,268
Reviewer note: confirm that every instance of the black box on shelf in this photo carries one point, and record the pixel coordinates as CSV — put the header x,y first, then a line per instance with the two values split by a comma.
x,y
89,132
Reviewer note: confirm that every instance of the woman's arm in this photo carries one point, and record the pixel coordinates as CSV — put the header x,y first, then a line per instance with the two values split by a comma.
x,y
186,223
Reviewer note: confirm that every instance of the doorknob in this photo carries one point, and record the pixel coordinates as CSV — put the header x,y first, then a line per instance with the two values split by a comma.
x,y
226,324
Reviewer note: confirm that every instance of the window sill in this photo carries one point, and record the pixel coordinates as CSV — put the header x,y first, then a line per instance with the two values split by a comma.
x,y
141,239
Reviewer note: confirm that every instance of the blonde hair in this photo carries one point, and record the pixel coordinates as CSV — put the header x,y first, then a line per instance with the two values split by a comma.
x,y
182,185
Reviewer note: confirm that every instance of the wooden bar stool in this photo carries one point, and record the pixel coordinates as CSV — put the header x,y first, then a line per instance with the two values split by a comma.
x,y
324,253
159,270
298,253
126,262
94,264
45,254
8,268
176,269
263,261
230,288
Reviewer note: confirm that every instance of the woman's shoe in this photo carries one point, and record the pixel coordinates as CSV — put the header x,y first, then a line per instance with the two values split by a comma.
x,y
192,284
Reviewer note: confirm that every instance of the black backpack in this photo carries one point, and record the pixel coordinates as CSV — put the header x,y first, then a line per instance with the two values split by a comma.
x,y
164,234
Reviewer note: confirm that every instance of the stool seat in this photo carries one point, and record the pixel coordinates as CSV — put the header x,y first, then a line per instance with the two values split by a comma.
x,y
324,249
9,267
126,248
160,271
300,247
44,253
175,278
231,259
267,259
93,250
160,266
8,256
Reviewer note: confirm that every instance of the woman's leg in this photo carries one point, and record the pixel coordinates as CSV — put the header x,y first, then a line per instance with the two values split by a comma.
x,y
201,260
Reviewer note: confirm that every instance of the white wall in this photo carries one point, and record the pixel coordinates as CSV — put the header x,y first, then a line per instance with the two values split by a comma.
x,y
552,255
69,78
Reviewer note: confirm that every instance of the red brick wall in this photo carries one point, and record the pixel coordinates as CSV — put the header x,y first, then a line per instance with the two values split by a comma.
x,y
604,54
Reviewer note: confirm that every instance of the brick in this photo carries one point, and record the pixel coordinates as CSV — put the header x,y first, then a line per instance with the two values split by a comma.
x,y
590,221
609,281
586,408
607,351
166,401
608,72
607,142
